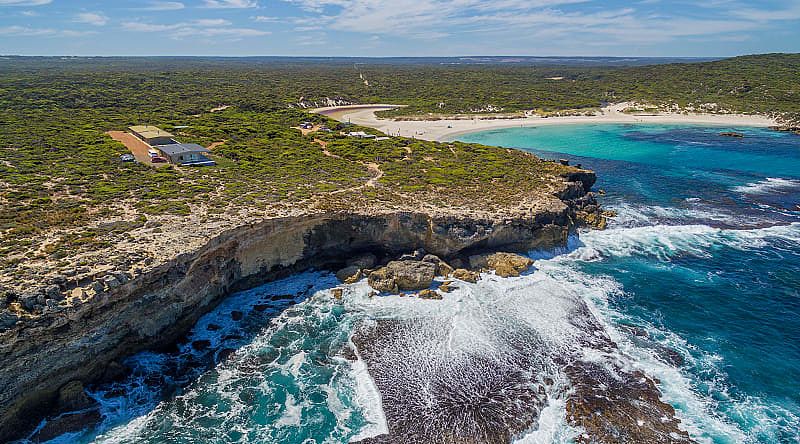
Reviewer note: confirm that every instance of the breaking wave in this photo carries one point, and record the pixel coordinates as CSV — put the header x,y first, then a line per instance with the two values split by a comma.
x,y
768,185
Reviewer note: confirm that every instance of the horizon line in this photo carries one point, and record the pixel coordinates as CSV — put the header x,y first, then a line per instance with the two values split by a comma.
x,y
397,56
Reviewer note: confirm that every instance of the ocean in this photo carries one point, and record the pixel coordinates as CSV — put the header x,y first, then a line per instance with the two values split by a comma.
x,y
702,261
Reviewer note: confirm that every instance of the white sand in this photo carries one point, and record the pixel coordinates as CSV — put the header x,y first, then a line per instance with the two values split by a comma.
x,y
443,130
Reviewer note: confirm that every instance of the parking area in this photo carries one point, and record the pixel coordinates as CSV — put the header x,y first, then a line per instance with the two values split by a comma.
x,y
136,146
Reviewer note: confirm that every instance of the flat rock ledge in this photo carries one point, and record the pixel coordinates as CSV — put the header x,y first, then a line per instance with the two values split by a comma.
x,y
432,396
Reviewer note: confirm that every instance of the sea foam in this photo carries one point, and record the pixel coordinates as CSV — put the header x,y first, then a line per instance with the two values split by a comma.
x,y
768,185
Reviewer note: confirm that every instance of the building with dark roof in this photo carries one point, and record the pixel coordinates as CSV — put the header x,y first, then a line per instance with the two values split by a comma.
x,y
186,154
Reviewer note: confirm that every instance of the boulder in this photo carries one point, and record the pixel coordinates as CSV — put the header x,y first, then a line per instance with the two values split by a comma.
x,y
504,264
54,292
403,275
98,287
446,287
367,260
77,293
349,274
383,280
466,275
29,301
442,268
429,294
111,281
7,320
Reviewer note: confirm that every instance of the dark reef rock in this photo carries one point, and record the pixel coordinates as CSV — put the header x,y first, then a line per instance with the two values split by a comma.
x,y
619,406
458,398
434,392
66,423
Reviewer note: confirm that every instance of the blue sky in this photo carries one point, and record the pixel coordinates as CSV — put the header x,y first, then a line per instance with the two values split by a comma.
x,y
399,27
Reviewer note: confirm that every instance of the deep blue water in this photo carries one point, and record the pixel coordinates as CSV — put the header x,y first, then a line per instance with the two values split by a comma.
x,y
706,257
697,280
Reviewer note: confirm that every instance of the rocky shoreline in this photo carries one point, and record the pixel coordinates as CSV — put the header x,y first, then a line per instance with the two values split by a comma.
x,y
486,396
64,346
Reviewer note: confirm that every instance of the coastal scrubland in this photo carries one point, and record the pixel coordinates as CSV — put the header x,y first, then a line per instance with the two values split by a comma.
x,y
64,191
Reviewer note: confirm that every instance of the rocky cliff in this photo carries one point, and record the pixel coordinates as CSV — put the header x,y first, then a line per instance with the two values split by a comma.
x,y
41,356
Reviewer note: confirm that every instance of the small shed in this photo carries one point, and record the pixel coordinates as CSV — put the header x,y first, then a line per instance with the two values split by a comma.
x,y
152,135
190,154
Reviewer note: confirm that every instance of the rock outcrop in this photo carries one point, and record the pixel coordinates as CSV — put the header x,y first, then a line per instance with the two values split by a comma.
x,y
503,264
41,356
403,275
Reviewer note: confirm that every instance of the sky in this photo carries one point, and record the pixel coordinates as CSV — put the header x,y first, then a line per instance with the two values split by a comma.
x,y
372,28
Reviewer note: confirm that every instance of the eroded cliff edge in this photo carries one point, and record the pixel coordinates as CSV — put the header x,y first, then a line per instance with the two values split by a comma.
x,y
41,355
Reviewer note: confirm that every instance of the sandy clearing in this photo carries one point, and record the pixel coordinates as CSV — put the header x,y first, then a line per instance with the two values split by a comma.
x,y
215,144
136,146
449,129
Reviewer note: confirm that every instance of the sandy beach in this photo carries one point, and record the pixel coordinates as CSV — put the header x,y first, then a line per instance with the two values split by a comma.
x,y
449,129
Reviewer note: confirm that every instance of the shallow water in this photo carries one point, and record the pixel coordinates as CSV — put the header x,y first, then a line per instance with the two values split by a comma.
x,y
704,257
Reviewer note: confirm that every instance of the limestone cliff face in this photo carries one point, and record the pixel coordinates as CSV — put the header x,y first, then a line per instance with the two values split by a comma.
x,y
40,356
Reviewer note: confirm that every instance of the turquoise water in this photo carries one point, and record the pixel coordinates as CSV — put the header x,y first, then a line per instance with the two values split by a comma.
x,y
706,251
697,280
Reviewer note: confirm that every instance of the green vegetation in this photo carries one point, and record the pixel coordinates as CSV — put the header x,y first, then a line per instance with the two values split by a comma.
x,y
59,170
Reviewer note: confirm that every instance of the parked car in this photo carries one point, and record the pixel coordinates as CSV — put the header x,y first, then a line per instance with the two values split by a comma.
x,y
152,153
158,159
127,158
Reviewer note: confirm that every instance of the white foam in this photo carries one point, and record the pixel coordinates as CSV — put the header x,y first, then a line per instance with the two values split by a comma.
x,y
694,410
292,413
369,399
552,427
295,362
667,241
629,215
768,185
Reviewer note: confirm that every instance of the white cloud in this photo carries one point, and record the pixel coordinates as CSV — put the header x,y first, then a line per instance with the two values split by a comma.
x,y
211,22
528,23
230,4
195,28
164,6
762,15
92,18
24,31
267,19
148,27
24,2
